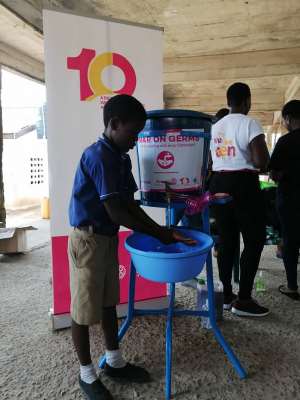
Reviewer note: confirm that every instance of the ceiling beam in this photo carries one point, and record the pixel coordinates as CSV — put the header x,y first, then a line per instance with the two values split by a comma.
x,y
27,11
18,34
11,58
293,91
21,46
232,66
30,11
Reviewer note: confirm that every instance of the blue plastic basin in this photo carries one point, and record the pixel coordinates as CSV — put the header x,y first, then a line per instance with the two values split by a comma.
x,y
168,263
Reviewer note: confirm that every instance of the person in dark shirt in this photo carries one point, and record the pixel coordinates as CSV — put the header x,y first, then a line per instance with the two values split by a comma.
x,y
285,169
102,200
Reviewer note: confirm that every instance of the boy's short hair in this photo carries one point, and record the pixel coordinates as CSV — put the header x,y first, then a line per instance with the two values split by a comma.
x,y
125,107
238,93
291,109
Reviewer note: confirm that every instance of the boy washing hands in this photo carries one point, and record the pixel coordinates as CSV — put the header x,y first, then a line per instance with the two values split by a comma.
x,y
102,200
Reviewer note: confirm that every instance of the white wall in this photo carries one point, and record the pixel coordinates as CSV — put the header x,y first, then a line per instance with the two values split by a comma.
x,y
25,163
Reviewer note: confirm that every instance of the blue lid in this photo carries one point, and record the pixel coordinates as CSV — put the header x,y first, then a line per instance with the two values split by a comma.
x,y
177,114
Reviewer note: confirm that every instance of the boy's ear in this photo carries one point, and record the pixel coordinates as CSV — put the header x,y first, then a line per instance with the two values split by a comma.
x,y
286,121
114,123
248,103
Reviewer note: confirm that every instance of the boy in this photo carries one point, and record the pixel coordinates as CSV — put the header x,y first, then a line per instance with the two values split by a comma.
x,y
285,169
239,151
102,200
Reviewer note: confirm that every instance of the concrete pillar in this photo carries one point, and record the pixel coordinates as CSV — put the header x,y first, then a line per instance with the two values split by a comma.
x,y
2,205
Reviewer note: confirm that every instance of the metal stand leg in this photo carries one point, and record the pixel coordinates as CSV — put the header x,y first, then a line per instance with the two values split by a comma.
x,y
211,305
210,289
212,317
130,312
169,342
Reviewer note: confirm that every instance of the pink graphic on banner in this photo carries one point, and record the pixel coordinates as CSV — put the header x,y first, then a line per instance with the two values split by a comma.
x,y
81,63
61,286
90,69
60,275
165,159
130,76
122,271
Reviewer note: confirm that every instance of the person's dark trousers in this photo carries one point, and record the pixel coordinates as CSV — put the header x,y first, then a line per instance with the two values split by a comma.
x,y
289,213
245,214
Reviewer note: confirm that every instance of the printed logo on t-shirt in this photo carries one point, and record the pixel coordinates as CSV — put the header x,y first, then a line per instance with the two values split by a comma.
x,y
224,147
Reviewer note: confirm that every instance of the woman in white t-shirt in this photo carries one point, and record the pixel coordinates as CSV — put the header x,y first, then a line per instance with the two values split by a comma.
x,y
239,152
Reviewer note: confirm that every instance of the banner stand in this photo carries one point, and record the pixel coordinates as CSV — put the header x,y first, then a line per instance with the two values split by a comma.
x,y
87,61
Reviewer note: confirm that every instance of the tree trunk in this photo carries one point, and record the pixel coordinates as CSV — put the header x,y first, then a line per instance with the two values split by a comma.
x,y
2,205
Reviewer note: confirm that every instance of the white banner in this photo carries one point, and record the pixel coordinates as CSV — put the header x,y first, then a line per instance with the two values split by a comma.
x,y
173,157
87,61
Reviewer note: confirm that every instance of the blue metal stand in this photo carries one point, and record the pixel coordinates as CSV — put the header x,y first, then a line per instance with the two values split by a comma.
x,y
169,342
170,312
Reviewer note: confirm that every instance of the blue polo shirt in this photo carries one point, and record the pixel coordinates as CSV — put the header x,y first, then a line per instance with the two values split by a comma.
x,y
103,172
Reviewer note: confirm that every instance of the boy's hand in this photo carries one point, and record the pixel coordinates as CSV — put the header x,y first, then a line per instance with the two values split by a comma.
x,y
169,236
181,238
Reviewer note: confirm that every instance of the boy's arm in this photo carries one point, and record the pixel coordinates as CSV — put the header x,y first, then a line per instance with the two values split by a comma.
x,y
120,214
130,215
140,214
144,219
117,207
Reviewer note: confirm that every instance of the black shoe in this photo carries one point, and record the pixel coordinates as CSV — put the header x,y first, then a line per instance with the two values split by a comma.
x,y
129,373
228,300
95,390
248,308
292,294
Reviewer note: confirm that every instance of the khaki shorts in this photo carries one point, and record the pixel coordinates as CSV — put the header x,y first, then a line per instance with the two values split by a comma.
x,y
94,275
